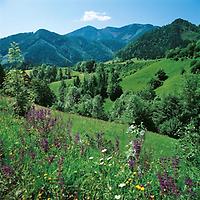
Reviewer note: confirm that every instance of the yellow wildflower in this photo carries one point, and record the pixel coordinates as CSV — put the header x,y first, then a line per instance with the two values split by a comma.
x,y
138,187
142,188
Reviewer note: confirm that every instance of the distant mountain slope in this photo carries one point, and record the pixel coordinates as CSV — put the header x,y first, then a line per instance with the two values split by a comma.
x,y
156,43
124,34
87,43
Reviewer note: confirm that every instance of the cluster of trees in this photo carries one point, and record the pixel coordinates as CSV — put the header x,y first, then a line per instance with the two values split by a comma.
x,y
167,115
27,91
195,66
191,51
86,97
50,73
158,80
86,66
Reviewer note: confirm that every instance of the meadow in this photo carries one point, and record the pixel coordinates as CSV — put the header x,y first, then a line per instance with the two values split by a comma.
x,y
139,80
54,155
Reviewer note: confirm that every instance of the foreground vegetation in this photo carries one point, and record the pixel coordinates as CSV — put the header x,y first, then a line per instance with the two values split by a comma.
x,y
49,160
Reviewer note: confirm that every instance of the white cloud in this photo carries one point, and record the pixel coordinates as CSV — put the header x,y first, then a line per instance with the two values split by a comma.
x,y
92,15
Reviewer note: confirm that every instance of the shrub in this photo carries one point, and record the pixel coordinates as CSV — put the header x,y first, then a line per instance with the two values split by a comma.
x,y
190,144
171,127
43,95
139,110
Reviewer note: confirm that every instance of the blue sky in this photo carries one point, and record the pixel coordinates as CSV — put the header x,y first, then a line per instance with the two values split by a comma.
x,y
63,16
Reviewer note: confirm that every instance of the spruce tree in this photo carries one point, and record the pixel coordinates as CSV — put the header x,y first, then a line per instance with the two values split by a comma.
x,y
62,91
2,76
102,81
114,89
77,82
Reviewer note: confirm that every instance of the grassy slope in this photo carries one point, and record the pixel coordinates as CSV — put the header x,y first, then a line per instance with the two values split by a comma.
x,y
55,85
160,145
139,80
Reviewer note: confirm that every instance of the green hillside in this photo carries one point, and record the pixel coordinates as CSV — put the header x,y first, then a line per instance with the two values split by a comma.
x,y
140,79
84,125
55,85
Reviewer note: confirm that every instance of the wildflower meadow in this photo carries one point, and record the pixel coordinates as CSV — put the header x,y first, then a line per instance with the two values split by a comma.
x,y
42,158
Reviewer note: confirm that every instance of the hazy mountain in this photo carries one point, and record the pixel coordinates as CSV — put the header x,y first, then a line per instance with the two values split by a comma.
x,y
124,34
86,43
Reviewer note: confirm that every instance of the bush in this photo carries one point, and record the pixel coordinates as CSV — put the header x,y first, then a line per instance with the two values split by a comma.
x,y
195,67
167,115
155,83
171,127
190,144
139,110
43,95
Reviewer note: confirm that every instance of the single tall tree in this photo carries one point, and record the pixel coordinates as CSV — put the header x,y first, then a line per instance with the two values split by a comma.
x,y
102,81
62,91
15,57
114,89
2,76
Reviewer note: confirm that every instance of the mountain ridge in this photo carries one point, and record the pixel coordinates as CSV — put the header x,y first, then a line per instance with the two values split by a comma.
x,y
48,47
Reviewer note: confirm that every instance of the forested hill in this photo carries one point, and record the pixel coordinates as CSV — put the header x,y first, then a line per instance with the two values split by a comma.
x,y
156,43
45,47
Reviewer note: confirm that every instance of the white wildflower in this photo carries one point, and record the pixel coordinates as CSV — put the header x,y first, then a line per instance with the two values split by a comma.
x,y
109,158
117,196
101,163
121,185
103,150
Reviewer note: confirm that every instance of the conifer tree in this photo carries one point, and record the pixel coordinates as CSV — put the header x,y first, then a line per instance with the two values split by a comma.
x,y
114,89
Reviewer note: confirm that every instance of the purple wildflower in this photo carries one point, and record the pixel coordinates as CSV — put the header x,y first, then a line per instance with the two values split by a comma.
x,y
41,119
167,184
57,143
189,182
51,159
77,138
69,129
60,166
32,155
137,146
44,145
175,162
6,170
131,163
